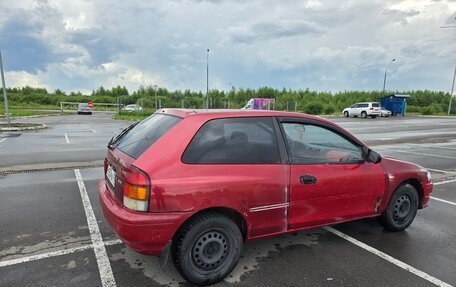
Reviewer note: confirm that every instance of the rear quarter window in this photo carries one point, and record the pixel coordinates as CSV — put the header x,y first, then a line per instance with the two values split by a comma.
x,y
145,134
234,141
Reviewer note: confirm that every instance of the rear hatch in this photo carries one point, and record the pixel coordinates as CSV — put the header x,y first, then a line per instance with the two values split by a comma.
x,y
128,145
376,107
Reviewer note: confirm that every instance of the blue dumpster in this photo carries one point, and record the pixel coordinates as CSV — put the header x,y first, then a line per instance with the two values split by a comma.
x,y
395,103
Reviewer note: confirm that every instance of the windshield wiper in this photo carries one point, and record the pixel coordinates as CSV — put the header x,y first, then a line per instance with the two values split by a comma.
x,y
117,137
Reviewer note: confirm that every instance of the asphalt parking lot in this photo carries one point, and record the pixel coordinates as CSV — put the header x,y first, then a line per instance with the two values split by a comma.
x,y
52,231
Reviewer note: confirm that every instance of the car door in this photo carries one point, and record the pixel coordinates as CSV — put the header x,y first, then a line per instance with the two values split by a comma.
x,y
240,163
329,179
363,108
354,110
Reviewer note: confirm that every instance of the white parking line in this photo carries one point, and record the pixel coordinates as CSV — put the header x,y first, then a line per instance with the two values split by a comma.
x,y
54,253
443,200
104,266
389,258
439,170
445,181
425,154
93,131
44,255
2,140
67,139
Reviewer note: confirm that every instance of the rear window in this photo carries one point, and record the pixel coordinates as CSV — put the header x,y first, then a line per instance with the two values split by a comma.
x,y
145,134
234,141
375,105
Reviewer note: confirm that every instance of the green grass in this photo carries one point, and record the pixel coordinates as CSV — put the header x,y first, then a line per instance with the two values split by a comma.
x,y
31,106
131,116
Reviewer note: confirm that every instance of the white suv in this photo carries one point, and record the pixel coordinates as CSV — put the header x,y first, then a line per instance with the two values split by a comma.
x,y
371,109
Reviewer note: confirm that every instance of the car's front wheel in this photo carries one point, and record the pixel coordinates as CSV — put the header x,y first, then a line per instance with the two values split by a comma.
x,y
401,209
346,114
207,248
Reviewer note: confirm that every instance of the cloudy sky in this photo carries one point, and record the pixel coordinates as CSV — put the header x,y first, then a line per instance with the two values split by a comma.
x,y
323,45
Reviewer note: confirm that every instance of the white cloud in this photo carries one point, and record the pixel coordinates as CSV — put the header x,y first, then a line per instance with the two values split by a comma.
x,y
22,78
324,45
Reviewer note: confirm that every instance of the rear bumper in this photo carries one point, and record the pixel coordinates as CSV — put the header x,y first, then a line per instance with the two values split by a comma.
x,y
427,191
144,232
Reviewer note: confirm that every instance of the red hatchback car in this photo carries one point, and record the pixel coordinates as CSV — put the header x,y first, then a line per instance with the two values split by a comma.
x,y
193,185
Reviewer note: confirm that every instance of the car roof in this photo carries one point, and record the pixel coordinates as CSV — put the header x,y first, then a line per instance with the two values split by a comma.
x,y
217,113
210,114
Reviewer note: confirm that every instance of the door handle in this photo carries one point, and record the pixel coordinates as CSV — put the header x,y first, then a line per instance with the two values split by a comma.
x,y
308,179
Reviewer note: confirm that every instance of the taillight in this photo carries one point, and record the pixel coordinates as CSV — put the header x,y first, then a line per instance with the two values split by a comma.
x,y
371,109
136,190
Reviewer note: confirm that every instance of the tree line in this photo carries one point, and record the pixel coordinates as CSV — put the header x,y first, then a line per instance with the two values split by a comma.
x,y
305,100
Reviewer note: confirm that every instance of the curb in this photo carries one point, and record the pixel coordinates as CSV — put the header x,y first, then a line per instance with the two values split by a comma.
x,y
43,167
438,117
24,128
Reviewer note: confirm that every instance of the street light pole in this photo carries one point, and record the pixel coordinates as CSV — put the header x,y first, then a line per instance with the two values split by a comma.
x,y
454,76
384,79
8,120
451,94
207,80
155,87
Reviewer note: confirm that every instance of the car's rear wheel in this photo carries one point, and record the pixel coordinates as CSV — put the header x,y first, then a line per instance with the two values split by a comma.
x,y
401,209
373,117
346,114
364,114
207,248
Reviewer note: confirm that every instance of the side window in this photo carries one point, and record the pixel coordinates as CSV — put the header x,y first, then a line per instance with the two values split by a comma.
x,y
354,106
363,105
234,141
310,144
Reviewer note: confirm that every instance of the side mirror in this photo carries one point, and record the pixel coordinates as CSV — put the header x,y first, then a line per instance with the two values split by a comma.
x,y
373,156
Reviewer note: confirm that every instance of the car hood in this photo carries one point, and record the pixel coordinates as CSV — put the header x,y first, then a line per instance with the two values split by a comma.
x,y
403,169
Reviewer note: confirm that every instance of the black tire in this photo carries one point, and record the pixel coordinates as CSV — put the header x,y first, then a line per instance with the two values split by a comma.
x,y
346,114
207,248
363,114
401,209
373,117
